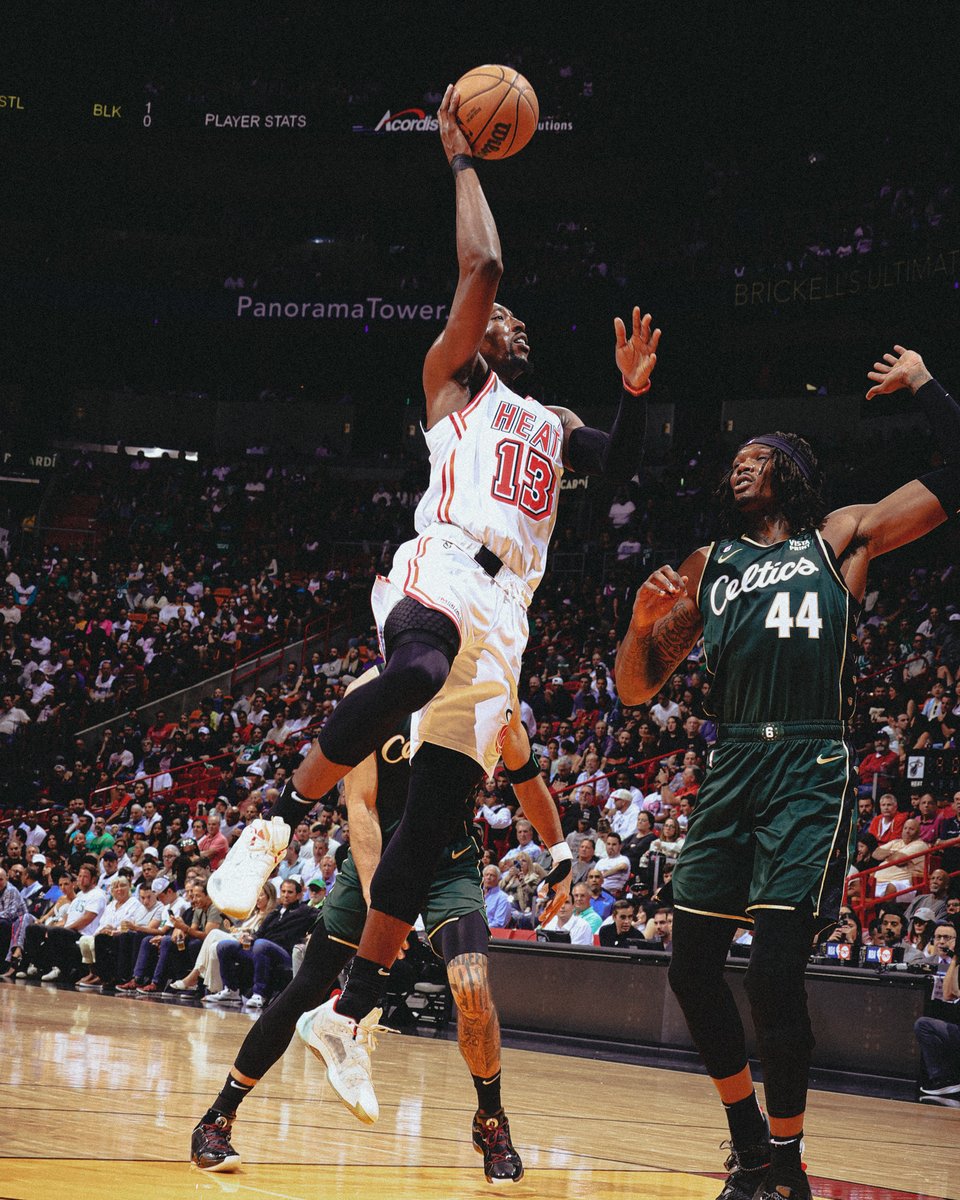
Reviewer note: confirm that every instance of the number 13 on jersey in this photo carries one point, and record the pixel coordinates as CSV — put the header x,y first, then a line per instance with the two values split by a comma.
x,y
525,478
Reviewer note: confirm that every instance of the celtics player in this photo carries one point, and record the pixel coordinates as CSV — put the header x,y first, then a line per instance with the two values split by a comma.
x,y
776,600
456,926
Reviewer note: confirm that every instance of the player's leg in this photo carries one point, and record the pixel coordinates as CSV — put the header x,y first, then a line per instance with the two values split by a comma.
x,y
464,947
264,1045
774,983
421,645
803,829
700,945
439,781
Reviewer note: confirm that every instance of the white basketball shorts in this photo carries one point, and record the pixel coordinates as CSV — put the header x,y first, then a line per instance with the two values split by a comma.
x,y
471,709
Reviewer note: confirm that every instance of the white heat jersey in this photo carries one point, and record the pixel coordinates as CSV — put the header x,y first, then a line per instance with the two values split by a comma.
x,y
495,470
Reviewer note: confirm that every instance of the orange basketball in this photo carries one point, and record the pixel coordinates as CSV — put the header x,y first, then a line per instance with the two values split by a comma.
x,y
498,110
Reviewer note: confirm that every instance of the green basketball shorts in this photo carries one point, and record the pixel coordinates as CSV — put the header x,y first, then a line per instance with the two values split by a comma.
x,y
454,893
773,824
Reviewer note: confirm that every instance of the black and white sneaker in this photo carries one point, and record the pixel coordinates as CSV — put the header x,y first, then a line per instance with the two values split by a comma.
x,y
797,1188
491,1138
746,1171
210,1148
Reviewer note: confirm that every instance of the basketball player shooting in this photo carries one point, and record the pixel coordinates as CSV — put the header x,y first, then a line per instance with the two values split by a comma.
x,y
777,601
452,615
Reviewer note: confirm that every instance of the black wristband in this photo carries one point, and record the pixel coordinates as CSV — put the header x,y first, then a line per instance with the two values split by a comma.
x,y
530,770
462,162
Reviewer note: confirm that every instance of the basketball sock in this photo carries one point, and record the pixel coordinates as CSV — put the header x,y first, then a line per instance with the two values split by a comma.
x,y
290,806
488,1094
226,1104
786,1168
748,1129
364,988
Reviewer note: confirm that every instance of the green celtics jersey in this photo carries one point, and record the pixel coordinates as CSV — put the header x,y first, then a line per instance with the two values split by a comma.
x,y
778,628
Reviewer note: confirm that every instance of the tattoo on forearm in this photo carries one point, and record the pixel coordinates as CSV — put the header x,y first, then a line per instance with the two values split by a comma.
x,y
478,1029
656,653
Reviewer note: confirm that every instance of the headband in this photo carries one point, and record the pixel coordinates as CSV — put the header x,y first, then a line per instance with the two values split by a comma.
x,y
802,461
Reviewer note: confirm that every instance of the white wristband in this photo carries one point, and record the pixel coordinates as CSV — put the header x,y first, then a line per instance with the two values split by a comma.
x,y
561,852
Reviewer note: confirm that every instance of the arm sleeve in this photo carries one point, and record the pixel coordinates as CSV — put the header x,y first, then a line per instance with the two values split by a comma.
x,y
943,413
615,455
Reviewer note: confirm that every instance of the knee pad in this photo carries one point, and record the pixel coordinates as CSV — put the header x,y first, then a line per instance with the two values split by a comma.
x,y
411,621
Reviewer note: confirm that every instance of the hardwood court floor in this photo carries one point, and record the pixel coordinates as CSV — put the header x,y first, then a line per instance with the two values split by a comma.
x,y
98,1096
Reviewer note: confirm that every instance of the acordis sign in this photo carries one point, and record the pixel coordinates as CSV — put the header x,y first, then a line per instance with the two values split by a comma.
x,y
407,120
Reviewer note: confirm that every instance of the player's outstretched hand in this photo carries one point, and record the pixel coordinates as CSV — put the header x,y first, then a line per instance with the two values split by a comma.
x,y
555,888
453,138
902,369
636,355
658,594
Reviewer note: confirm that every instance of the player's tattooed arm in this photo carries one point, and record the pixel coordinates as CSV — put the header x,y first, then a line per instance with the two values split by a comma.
x,y
664,628
478,1029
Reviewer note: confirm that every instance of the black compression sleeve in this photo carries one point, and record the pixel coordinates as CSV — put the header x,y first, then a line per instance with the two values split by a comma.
x,y
615,455
943,413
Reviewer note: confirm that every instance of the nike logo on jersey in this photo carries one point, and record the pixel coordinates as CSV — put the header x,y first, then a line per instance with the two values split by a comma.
x,y
460,853
728,553
823,761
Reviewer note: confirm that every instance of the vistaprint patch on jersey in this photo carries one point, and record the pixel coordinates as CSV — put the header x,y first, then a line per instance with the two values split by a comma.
x,y
799,543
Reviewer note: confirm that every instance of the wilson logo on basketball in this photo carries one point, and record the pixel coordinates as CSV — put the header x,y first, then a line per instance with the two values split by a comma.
x,y
498,135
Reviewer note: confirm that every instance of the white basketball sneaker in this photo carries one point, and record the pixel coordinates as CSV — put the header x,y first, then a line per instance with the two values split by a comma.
x,y
344,1046
238,881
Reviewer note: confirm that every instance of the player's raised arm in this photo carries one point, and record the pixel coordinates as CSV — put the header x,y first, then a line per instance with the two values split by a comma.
x,y
862,532
663,629
452,358
616,455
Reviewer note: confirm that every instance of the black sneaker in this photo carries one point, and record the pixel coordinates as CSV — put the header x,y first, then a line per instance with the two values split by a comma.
x,y
746,1171
210,1147
798,1188
491,1138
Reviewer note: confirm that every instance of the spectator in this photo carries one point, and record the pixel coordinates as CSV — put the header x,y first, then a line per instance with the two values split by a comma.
x,y
601,901
525,845
566,921
12,908
938,1030
879,769
213,845
935,900
206,969
582,907
900,876
586,857
621,931
185,939
499,913
888,823
520,883
614,866
52,948
270,952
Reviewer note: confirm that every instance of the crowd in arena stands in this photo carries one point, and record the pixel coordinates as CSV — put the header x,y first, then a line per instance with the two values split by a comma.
x,y
109,891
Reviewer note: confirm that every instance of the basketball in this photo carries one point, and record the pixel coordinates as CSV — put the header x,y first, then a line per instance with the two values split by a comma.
x,y
498,110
